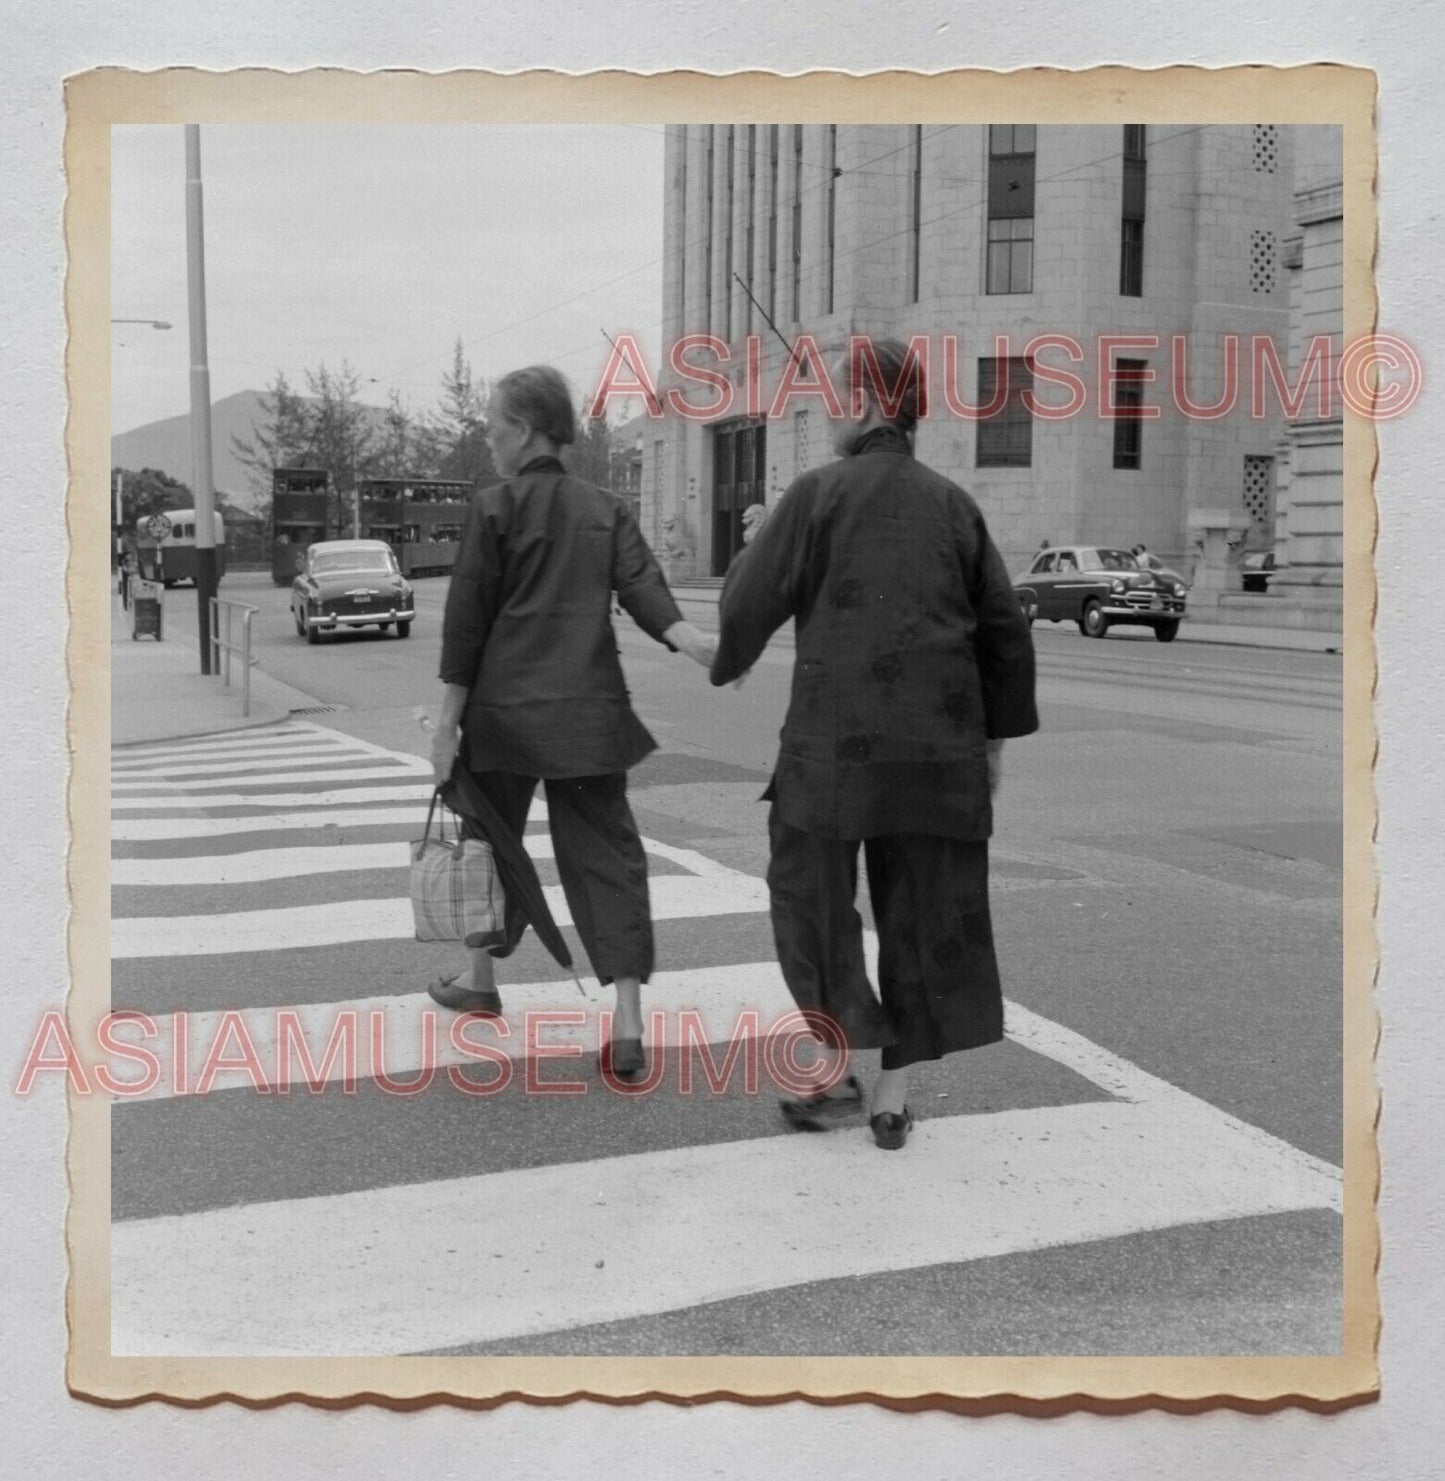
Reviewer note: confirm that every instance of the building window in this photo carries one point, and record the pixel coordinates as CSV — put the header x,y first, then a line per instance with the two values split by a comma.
x,y
1259,495
1266,148
1010,245
1131,229
915,228
800,442
1263,254
1005,439
797,223
1011,256
1010,266
833,173
1128,401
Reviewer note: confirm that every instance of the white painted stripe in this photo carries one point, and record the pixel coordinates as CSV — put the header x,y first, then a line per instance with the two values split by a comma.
x,y
133,830
258,865
1126,1081
336,922
342,797
273,776
720,1003
216,743
318,1276
151,829
322,749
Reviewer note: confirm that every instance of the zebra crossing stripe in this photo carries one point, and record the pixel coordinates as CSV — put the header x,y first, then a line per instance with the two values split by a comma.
x,y
292,927
342,797
259,865
480,1264
270,778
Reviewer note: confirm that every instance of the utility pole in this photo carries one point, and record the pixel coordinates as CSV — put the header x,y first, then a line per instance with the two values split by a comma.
x,y
200,395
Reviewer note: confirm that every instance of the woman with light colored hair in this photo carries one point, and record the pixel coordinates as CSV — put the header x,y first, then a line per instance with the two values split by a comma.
x,y
534,689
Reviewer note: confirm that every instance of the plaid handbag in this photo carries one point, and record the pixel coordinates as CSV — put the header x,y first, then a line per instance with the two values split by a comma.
x,y
455,892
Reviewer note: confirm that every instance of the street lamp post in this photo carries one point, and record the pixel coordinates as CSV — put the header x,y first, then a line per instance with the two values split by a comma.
x,y
200,395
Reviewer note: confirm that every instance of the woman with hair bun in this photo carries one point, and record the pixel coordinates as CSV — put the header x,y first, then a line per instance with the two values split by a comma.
x,y
534,688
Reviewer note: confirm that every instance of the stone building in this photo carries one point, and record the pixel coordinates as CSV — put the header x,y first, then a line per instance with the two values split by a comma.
x,y
962,234
1309,527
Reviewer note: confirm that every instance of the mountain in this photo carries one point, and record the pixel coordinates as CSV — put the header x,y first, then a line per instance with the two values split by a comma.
x,y
167,445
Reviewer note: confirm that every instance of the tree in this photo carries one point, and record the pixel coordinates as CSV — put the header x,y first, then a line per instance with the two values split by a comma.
x,y
284,440
590,457
400,450
458,428
147,492
343,438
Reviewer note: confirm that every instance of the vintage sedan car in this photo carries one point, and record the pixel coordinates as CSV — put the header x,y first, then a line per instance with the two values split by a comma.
x,y
1098,587
351,583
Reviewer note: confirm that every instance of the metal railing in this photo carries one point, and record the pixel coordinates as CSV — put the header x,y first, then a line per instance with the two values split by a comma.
x,y
223,644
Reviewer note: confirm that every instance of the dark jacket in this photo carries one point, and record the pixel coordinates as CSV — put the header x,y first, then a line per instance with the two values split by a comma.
x,y
528,629
912,649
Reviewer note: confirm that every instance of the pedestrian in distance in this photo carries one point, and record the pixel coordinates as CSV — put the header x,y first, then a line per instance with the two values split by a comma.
x,y
913,665
533,689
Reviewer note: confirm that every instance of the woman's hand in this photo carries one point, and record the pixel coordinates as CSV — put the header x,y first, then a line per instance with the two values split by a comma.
x,y
699,646
445,742
994,751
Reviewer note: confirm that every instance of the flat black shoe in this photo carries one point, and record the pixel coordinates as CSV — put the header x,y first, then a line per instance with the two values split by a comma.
x,y
819,1112
890,1131
448,992
623,1058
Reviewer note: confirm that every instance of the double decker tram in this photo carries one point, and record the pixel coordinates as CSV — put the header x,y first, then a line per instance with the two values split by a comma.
x,y
420,518
303,511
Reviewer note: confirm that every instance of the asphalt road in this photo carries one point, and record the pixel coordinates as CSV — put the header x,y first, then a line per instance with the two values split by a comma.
x,y
1167,890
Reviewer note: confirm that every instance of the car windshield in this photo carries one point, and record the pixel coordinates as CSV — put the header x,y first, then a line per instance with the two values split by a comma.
x,y
1110,560
379,562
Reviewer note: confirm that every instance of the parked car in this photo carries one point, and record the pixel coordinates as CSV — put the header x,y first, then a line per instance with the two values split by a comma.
x,y
1098,587
1257,569
351,583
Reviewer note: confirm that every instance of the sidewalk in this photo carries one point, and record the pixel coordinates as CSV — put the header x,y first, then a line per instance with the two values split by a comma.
x,y
700,602
157,690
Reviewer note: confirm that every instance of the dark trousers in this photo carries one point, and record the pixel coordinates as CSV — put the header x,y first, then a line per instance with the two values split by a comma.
x,y
600,860
937,974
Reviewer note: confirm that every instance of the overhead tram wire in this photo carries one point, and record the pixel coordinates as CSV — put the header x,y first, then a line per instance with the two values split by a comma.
x,y
676,255
977,201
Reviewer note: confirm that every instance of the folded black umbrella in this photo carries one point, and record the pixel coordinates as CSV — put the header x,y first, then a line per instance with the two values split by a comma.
x,y
514,864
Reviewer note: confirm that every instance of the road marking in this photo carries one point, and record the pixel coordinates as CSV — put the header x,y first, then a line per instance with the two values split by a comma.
x,y
289,735
124,830
161,765
268,776
339,798
318,1276
743,1001
336,922
258,865
151,829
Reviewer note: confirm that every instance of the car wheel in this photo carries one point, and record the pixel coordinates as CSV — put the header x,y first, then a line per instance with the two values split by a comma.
x,y
1166,632
1093,624
299,620
313,634
403,629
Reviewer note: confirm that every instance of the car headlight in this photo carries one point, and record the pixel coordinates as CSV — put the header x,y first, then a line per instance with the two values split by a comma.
x,y
1116,587
1179,588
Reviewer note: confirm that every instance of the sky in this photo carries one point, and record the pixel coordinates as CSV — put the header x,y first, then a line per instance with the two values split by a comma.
x,y
380,245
